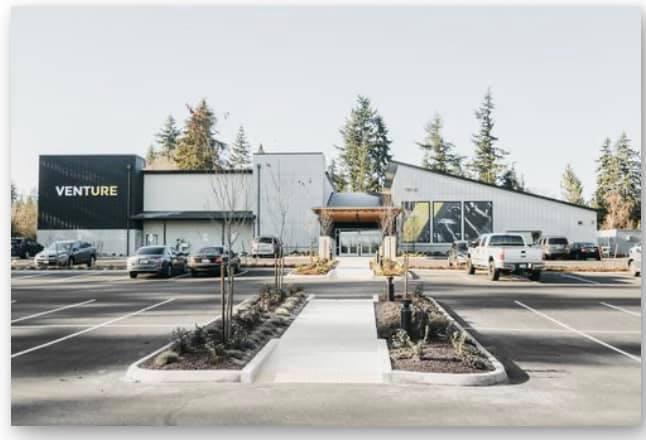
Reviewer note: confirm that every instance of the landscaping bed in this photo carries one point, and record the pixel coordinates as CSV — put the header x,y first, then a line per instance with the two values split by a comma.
x,y
435,342
254,324
316,267
388,268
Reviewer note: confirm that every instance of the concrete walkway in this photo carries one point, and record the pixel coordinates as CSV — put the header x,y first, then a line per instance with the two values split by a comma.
x,y
331,341
352,268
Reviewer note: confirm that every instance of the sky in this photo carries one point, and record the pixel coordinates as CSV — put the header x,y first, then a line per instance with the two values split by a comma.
x,y
102,80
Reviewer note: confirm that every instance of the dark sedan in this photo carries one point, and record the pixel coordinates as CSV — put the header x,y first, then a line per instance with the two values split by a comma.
x,y
584,250
211,259
159,260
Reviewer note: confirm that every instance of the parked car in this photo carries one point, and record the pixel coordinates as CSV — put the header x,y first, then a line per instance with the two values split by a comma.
x,y
265,246
66,253
635,260
504,253
160,260
458,253
24,247
212,259
585,250
554,246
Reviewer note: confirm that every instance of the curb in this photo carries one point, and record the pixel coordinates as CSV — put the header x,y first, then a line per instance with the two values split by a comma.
x,y
497,376
251,370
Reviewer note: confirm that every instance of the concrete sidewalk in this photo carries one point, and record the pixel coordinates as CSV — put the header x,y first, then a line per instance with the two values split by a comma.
x,y
331,341
352,268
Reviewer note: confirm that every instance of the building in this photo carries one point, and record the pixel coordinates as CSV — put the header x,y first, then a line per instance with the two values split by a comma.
x,y
118,205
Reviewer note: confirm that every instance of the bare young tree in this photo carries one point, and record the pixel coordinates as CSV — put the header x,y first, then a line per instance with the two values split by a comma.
x,y
278,215
386,220
231,195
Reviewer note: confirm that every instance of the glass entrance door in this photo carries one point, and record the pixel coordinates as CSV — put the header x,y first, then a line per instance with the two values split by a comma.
x,y
357,242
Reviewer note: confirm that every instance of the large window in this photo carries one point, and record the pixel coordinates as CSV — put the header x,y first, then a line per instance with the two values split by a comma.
x,y
417,222
447,222
478,219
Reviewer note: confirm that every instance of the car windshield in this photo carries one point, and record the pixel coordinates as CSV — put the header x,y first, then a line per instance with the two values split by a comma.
x,y
210,250
266,240
60,245
588,244
557,241
506,240
153,250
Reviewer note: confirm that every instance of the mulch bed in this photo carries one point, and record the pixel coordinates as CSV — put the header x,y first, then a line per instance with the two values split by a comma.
x,y
272,323
438,355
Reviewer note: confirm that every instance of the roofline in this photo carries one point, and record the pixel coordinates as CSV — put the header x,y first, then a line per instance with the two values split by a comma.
x,y
242,171
467,179
289,153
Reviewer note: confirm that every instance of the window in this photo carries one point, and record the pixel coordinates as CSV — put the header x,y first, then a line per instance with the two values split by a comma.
x,y
506,240
559,240
151,239
153,250
417,222
478,219
447,222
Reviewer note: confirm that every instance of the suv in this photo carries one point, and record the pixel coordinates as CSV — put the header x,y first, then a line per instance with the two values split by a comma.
x,y
554,246
159,260
24,247
265,246
66,253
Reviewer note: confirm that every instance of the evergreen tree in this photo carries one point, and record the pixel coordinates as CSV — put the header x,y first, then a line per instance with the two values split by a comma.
x,y
439,154
511,180
571,187
486,163
261,149
366,148
197,148
168,137
379,155
336,176
607,175
240,157
628,166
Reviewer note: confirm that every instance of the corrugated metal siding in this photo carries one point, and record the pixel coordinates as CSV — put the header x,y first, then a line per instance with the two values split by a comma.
x,y
511,211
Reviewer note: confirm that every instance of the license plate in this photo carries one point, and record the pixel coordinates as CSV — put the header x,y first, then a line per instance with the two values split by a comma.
x,y
522,266
205,260
143,261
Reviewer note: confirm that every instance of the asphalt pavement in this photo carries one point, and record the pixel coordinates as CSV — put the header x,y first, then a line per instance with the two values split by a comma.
x,y
571,345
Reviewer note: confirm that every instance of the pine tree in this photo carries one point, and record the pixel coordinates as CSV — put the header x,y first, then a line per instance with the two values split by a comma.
x,y
197,148
486,163
261,149
366,148
571,187
336,176
439,154
168,137
628,166
379,155
511,180
607,175
240,157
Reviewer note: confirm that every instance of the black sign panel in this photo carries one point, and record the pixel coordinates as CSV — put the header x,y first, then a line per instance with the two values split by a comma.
x,y
89,192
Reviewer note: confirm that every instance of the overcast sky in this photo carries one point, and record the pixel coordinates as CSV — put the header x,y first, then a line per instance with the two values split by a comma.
x,y
102,80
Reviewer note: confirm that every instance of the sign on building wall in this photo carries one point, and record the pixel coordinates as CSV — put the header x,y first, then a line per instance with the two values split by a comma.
x,y
447,222
417,222
88,192
478,219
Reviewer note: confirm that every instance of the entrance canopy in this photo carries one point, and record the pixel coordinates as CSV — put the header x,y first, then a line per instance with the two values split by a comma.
x,y
354,207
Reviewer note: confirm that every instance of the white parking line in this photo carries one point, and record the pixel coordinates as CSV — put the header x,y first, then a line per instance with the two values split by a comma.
x,y
621,309
574,277
37,326
580,333
80,332
26,277
47,312
551,330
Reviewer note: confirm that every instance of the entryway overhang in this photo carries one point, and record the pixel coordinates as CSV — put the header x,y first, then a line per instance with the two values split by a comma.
x,y
357,215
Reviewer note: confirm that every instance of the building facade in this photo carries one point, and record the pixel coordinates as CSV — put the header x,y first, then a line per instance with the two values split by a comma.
x,y
118,205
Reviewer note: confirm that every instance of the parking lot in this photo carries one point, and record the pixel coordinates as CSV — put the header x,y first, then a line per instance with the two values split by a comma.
x,y
571,345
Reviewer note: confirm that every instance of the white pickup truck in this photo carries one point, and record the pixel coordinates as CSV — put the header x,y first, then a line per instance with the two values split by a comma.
x,y
504,253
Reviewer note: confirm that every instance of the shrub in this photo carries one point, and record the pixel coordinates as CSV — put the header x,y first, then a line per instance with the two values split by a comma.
x,y
215,350
182,337
294,289
165,358
197,338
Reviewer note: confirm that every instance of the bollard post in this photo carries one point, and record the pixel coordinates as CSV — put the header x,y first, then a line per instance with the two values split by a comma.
x,y
405,315
391,289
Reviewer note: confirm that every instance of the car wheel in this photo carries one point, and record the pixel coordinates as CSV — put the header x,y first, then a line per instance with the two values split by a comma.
x,y
535,275
470,268
169,271
193,273
494,274
132,275
70,262
634,269
90,264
